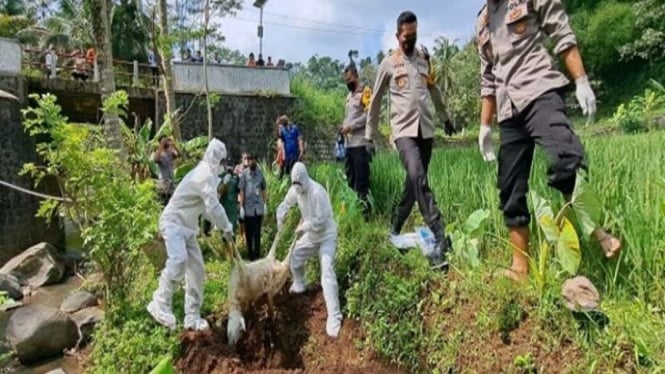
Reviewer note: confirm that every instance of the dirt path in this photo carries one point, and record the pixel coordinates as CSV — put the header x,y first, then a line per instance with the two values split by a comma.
x,y
294,341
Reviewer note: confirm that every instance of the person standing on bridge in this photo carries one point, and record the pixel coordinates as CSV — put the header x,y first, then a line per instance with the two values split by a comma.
x,y
406,72
353,128
521,85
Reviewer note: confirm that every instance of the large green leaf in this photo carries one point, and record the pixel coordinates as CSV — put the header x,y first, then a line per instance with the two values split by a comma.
x,y
568,248
541,206
587,205
549,228
182,170
475,221
194,144
165,366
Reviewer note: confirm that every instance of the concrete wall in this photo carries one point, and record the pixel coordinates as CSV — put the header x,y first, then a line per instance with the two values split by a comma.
x,y
10,56
19,228
229,79
241,122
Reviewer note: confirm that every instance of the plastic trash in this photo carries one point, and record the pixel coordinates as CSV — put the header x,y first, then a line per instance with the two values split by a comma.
x,y
423,239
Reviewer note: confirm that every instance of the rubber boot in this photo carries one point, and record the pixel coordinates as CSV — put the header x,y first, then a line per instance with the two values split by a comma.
x,y
519,241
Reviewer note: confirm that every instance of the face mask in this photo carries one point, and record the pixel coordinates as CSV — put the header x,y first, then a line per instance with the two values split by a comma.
x,y
352,86
408,45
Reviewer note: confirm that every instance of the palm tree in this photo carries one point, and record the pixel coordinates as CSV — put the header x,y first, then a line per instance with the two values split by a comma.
x,y
444,51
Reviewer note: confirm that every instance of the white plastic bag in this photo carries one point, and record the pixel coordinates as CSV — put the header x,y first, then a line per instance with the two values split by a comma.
x,y
423,238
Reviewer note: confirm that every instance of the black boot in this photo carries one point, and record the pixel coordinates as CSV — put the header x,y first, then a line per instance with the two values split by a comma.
x,y
439,259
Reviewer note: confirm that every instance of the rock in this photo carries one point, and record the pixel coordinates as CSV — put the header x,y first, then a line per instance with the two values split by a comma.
x,y
37,332
580,294
10,284
9,306
78,300
57,371
86,320
39,265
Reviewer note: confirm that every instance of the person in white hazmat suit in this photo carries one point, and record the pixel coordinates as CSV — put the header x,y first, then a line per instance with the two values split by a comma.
x,y
318,233
195,195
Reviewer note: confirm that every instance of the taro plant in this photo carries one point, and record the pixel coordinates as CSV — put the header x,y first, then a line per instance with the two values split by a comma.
x,y
466,239
557,233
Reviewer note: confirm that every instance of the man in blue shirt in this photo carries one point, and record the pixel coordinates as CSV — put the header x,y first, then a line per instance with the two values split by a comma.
x,y
292,142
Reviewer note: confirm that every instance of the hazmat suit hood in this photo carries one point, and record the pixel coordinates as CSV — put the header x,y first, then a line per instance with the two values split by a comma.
x,y
214,154
300,178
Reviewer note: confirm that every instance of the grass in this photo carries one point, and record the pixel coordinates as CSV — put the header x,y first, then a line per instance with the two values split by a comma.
x,y
425,322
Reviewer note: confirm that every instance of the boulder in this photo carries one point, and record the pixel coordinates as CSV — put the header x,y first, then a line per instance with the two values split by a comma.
x,y
37,332
86,320
78,300
39,265
580,295
10,284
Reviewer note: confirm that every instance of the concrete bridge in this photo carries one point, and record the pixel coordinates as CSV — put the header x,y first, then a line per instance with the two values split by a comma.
x,y
251,99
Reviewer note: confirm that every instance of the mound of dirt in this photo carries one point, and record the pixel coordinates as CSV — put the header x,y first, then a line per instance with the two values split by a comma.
x,y
292,340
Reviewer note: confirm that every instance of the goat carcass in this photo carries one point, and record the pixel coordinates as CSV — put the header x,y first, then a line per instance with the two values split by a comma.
x,y
250,281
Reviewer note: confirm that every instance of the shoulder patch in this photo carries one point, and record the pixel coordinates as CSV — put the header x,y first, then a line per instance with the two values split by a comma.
x,y
366,97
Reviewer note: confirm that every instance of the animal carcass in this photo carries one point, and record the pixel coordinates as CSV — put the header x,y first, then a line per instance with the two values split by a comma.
x,y
250,281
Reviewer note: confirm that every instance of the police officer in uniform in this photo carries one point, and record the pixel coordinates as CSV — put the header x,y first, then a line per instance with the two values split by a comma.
x,y
355,120
521,86
406,73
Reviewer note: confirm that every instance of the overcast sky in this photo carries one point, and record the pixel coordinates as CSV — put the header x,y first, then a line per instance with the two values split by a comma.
x,y
297,29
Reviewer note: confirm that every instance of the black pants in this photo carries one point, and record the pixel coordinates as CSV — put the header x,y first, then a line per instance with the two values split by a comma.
x,y
543,122
253,236
286,167
415,154
357,171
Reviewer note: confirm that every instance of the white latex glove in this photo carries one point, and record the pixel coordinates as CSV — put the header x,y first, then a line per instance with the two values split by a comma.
x,y
485,143
242,213
585,97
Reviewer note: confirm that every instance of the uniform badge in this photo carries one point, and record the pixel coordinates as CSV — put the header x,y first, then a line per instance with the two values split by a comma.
x,y
401,82
515,13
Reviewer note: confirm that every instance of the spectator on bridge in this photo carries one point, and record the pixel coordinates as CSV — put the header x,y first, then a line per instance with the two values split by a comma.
x,y
270,64
260,61
293,143
188,56
51,61
251,61
281,63
198,59
154,68
216,59
80,66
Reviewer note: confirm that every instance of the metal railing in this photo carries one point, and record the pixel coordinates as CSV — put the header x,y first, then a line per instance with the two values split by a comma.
x,y
127,73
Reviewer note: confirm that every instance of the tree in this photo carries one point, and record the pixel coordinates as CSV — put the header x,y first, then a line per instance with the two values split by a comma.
x,y
165,49
649,18
444,51
130,36
100,16
212,8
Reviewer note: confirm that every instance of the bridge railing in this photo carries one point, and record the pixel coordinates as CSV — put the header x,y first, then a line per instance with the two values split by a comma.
x,y
127,73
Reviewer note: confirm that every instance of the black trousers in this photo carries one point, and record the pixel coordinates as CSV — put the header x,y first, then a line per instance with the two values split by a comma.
x,y
543,122
253,236
415,154
357,171
286,167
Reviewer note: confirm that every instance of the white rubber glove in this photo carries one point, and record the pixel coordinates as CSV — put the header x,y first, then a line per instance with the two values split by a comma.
x,y
242,213
586,98
485,143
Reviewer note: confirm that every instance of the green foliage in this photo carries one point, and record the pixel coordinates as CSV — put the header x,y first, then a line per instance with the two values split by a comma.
x,y
165,366
116,215
130,23
4,298
466,240
134,345
641,112
318,110
650,22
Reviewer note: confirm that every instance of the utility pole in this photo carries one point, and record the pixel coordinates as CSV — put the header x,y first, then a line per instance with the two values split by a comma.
x,y
260,4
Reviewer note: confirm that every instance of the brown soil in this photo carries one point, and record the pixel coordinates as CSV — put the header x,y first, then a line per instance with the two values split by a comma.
x,y
292,341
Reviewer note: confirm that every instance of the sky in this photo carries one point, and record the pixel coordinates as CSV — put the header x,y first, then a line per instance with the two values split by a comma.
x,y
297,29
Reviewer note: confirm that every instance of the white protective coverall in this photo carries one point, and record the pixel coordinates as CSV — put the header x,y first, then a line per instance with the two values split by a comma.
x,y
195,195
319,234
